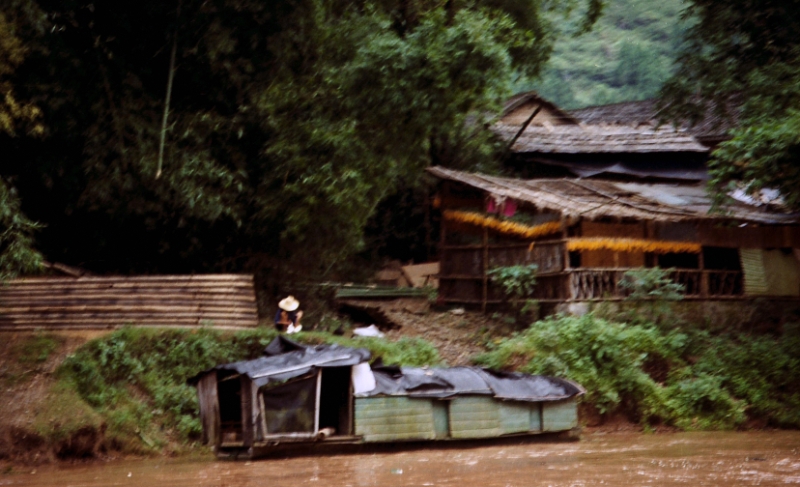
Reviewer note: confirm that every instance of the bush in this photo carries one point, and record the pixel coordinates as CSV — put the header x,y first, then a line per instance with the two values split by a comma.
x,y
691,380
703,403
607,358
136,378
760,370
653,292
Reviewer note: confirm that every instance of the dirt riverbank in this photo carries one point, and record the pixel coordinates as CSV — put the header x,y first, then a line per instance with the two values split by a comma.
x,y
46,421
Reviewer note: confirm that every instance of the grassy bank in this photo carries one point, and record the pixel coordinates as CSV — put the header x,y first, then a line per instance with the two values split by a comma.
x,y
689,378
126,392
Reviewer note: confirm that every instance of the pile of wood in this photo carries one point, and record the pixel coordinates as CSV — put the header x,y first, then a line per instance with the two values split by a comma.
x,y
220,300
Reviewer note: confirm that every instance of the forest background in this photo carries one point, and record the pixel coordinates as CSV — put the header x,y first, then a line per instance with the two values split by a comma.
x,y
241,135
284,131
293,147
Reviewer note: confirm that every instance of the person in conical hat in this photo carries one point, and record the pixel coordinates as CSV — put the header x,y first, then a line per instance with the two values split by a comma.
x,y
287,319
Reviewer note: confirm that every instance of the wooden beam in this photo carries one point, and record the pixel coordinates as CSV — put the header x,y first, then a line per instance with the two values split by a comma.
x,y
317,401
247,410
485,295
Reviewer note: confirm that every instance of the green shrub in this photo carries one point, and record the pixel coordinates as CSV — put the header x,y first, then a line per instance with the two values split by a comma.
x,y
760,370
517,283
36,349
607,358
693,380
652,293
703,403
136,378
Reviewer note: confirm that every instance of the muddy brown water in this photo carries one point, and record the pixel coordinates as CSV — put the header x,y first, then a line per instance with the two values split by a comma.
x,y
685,459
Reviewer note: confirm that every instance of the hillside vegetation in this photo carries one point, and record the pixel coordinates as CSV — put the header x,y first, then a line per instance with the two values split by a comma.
x,y
690,379
628,55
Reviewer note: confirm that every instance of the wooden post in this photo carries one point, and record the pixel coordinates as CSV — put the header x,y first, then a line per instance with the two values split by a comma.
x,y
247,411
316,401
263,409
567,291
209,408
485,269
703,274
650,260
350,405
442,292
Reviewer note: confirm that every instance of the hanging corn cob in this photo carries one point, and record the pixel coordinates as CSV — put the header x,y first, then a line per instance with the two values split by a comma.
x,y
633,245
501,226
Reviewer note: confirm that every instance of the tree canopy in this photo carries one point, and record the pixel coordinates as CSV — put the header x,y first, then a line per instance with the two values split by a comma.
x,y
16,230
288,121
741,63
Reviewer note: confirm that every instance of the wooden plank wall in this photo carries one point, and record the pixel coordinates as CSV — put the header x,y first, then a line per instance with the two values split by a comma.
x,y
220,300
209,408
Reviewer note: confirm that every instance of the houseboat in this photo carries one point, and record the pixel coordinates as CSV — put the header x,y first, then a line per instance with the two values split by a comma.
x,y
310,396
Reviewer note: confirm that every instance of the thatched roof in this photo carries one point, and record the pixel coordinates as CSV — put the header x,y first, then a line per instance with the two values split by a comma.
x,y
521,99
712,127
577,139
595,199
626,113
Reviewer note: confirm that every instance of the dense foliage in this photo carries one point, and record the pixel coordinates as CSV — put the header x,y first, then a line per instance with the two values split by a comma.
x,y
287,122
741,62
691,380
16,230
135,379
628,55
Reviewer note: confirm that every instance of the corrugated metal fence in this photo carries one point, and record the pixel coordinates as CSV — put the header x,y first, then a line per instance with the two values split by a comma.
x,y
219,300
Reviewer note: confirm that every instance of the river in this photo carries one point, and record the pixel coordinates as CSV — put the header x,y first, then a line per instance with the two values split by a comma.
x,y
678,459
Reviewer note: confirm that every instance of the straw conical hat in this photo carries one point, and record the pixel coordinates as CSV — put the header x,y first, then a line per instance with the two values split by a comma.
x,y
289,303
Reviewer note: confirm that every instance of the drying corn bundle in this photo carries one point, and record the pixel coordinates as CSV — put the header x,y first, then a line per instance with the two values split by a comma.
x,y
633,245
501,226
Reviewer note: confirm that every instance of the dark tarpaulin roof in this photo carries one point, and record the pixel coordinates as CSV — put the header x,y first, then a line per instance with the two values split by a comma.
x,y
284,359
444,383
679,169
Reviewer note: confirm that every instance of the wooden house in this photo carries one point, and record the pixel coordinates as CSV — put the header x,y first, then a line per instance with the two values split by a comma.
x,y
598,192
622,141
328,395
583,234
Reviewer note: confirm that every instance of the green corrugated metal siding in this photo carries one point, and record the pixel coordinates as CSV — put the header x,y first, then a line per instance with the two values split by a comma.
x,y
755,278
515,417
559,416
536,416
441,419
474,417
394,418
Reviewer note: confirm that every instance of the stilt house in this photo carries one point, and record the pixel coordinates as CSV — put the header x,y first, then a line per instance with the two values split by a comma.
x,y
594,200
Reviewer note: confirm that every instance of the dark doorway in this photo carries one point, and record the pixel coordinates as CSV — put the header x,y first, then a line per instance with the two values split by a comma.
x,y
679,261
721,258
229,391
334,403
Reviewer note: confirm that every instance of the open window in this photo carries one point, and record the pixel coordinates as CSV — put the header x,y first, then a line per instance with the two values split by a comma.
x,y
308,404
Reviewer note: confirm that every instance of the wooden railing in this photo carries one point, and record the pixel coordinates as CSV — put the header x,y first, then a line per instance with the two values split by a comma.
x,y
604,283
463,275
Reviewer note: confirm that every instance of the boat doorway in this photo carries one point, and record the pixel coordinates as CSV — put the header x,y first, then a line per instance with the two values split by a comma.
x,y
336,401
229,386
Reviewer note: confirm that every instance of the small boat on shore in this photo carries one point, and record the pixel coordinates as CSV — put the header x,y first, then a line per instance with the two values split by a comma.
x,y
311,396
